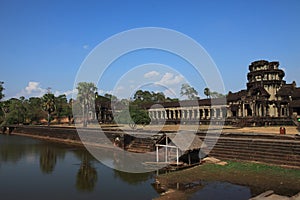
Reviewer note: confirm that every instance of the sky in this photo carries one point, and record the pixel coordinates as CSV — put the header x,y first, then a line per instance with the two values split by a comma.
x,y
45,43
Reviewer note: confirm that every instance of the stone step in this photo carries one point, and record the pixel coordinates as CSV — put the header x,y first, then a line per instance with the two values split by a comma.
x,y
252,155
263,149
258,159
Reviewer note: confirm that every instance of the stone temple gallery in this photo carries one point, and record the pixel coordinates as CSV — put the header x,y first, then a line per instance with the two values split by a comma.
x,y
267,100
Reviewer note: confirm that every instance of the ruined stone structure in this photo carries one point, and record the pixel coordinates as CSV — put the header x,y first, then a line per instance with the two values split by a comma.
x,y
189,112
267,100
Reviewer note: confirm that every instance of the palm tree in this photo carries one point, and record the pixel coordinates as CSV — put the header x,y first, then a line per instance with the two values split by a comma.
x,y
48,104
207,92
86,97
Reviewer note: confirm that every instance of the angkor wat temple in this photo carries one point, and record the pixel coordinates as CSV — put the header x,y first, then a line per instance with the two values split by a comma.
x,y
268,100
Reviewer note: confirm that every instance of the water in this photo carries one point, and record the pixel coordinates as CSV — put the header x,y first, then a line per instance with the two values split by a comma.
x,y
221,191
34,169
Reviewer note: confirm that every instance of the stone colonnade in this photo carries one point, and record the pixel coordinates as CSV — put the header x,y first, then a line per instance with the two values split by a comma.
x,y
188,113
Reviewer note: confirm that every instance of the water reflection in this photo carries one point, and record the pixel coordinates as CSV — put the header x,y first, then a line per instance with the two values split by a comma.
x,y
133,178
63,172
9,152
87,175
47,159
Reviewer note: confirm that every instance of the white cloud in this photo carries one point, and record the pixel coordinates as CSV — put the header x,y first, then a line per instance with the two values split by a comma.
x,y
68,93
85,46
170,79
32,89
151,74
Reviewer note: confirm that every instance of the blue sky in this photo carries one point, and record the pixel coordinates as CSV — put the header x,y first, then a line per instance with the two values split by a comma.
x,y
43,43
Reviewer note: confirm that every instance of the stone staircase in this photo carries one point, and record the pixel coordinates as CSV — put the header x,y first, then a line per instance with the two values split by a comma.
x,y
266,150
141,145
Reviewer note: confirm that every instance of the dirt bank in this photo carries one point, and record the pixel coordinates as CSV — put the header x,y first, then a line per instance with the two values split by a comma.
x,y
258,177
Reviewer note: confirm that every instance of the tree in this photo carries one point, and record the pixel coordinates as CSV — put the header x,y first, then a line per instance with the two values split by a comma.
x,y
2,114
86,97
1,89
48,105
158,97
134,115
214,95
33,110
190,92
111,97
12,111
141,96
207,92
62,107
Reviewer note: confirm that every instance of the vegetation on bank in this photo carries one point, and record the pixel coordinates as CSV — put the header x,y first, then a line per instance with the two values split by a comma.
x,y
261,176
46,109
50,108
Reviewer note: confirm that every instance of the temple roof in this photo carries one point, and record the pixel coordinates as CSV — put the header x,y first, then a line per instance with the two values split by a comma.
x,y
286,90
295,104
296,93
259,90
236,96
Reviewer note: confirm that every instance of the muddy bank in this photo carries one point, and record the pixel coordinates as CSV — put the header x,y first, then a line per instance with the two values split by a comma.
x,y
257,177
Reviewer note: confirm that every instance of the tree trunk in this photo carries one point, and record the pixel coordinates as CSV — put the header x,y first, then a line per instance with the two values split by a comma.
x,y
48,119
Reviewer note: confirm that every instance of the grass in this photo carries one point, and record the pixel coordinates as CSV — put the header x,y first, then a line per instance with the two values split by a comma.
x,y
241,173
258,177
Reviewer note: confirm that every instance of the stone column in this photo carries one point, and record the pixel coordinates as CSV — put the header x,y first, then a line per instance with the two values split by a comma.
x,y
174,114
192,114
243,109
150,115
201,111
197,114
163,114
155,114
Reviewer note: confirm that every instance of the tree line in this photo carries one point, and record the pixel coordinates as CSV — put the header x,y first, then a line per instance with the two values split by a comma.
x,y
50,108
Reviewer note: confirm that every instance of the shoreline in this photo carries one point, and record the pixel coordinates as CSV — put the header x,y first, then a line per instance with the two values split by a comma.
x,y
170,193
258,177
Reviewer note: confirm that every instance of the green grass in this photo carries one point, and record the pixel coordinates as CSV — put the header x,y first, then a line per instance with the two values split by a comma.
x,y
252,167
235,171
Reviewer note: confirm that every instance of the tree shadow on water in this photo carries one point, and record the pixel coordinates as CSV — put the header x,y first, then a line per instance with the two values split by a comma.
x,y
87,175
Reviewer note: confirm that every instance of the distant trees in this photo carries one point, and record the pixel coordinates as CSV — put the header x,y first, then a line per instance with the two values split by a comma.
x,y
207,92
1,89
111,97
190,92
48,105
213,94
63,108
217,95
86,97
34,109
141,96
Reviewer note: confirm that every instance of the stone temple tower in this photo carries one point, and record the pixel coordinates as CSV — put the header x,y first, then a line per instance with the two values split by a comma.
x,y
267,75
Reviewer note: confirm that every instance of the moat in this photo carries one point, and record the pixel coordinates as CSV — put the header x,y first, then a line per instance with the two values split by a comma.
x,y
34,169
38,169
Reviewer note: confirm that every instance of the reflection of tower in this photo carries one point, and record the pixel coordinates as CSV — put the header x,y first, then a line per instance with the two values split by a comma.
x,y
267,75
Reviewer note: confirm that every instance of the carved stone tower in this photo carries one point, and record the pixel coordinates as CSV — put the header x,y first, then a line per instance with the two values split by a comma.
x,y
266,75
